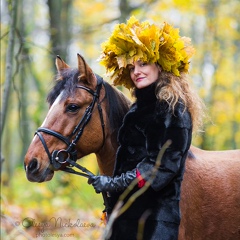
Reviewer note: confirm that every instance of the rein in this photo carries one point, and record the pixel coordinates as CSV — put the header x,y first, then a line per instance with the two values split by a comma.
x,y
58,158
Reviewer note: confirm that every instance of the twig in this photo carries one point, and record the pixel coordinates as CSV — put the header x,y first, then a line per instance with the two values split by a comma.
x,y
119,209
141,224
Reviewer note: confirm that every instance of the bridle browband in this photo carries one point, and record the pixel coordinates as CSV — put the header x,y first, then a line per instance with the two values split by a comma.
x,y
60,158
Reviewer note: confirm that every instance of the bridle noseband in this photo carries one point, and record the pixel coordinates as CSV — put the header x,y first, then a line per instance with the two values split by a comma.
x,y
60,158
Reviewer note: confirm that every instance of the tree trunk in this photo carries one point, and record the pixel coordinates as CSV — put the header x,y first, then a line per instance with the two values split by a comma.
x,y
9,72
9,64
210,39
60,26
23,88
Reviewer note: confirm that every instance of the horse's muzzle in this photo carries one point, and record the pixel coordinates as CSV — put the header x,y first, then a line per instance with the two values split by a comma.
x,y
34,174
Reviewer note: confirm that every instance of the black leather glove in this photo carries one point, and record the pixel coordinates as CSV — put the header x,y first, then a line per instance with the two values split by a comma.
x,y
112,184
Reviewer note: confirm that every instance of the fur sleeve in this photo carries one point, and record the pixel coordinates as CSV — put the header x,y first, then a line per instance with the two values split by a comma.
x,y
167,125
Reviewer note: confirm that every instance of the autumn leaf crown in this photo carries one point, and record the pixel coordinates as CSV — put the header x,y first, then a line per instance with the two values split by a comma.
x,y
146,42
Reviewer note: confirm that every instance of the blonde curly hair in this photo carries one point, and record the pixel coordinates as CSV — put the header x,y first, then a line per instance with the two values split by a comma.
x,y
172,88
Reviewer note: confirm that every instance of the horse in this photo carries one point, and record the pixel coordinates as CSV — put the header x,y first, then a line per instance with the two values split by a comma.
x,y
84,117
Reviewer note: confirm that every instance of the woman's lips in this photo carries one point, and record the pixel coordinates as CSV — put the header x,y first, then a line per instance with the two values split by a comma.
x,y
139,79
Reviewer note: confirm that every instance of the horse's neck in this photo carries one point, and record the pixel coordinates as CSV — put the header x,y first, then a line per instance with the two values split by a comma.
x,y
106,156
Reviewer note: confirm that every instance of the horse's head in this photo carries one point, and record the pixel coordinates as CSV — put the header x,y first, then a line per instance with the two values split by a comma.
x,y
74,125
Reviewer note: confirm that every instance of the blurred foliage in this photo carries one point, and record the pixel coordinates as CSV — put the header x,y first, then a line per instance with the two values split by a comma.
x,y
214,28
26,208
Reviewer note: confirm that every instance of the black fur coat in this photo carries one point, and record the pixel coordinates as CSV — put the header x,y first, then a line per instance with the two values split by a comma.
x,y
146,127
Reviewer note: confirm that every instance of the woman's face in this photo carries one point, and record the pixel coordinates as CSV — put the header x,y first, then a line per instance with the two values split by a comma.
x,y
143,74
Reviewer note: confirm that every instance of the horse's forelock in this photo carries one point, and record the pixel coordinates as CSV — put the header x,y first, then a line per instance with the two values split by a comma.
x,y
65,81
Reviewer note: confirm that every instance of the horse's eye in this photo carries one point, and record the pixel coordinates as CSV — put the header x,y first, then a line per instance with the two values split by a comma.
x,y
72,108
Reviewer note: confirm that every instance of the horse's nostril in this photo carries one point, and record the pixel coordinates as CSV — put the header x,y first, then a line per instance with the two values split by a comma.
x,y
33,165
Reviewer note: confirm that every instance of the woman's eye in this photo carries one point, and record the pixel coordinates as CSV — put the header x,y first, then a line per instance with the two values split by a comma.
x,y
72,108
143,64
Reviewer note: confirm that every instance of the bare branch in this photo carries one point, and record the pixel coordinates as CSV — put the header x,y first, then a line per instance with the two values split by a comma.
x,y
119,209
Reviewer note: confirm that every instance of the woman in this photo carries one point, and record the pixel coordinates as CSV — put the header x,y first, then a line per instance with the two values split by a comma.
x,y
153,62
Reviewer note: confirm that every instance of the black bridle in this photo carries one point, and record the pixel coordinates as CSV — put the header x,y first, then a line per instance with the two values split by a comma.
x,y
59,158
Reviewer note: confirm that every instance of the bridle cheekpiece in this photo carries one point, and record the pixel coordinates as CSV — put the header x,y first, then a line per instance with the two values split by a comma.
x,y
60,158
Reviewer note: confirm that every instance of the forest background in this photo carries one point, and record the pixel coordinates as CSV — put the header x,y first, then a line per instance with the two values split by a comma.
x,y
34,32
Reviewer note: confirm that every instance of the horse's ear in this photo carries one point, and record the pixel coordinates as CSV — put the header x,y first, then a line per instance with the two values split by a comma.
x,y
86,73
60,64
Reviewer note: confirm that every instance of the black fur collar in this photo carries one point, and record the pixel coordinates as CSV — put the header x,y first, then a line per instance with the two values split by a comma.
x,y
146,96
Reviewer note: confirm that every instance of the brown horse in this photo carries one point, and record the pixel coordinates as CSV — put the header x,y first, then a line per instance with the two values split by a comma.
x,y
210,200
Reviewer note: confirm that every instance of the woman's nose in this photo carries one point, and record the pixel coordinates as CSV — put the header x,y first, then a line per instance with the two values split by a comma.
x,y
136,71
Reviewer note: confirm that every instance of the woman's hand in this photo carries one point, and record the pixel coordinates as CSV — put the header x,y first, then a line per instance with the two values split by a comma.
x,y
112,184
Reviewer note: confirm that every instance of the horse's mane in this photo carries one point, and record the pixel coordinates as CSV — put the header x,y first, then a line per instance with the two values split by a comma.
x,y
118,104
